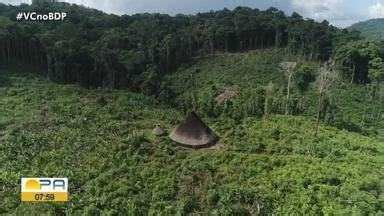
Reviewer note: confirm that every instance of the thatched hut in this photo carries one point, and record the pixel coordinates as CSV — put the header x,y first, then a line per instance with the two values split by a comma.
x,y
194,133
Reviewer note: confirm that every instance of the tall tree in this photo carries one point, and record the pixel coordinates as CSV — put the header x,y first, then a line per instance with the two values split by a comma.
x,y
325,81
289,71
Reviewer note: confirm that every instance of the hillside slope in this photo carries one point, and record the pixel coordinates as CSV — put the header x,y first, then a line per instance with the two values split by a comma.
x,y
372,29
249,73
101,141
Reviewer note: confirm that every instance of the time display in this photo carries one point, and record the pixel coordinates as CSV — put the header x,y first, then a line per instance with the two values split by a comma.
x,y
45,197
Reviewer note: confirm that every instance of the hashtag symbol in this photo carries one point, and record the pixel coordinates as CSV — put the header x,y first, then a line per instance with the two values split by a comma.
x,y
19,16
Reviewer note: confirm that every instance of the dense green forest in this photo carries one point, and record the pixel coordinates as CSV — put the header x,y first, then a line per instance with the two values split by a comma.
x,y
298,106
99,50
372,29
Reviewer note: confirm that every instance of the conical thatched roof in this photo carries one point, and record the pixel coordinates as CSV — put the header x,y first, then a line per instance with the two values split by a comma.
x,y
194,133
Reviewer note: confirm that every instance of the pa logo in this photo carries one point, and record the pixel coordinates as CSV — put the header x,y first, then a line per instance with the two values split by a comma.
x,y
44,189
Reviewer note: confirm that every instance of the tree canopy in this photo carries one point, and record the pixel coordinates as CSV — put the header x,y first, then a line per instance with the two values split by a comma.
x,y
95,49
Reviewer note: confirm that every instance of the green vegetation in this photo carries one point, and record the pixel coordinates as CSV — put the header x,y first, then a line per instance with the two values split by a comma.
x,y
298,106
372,29
94,49
102,141
350,106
